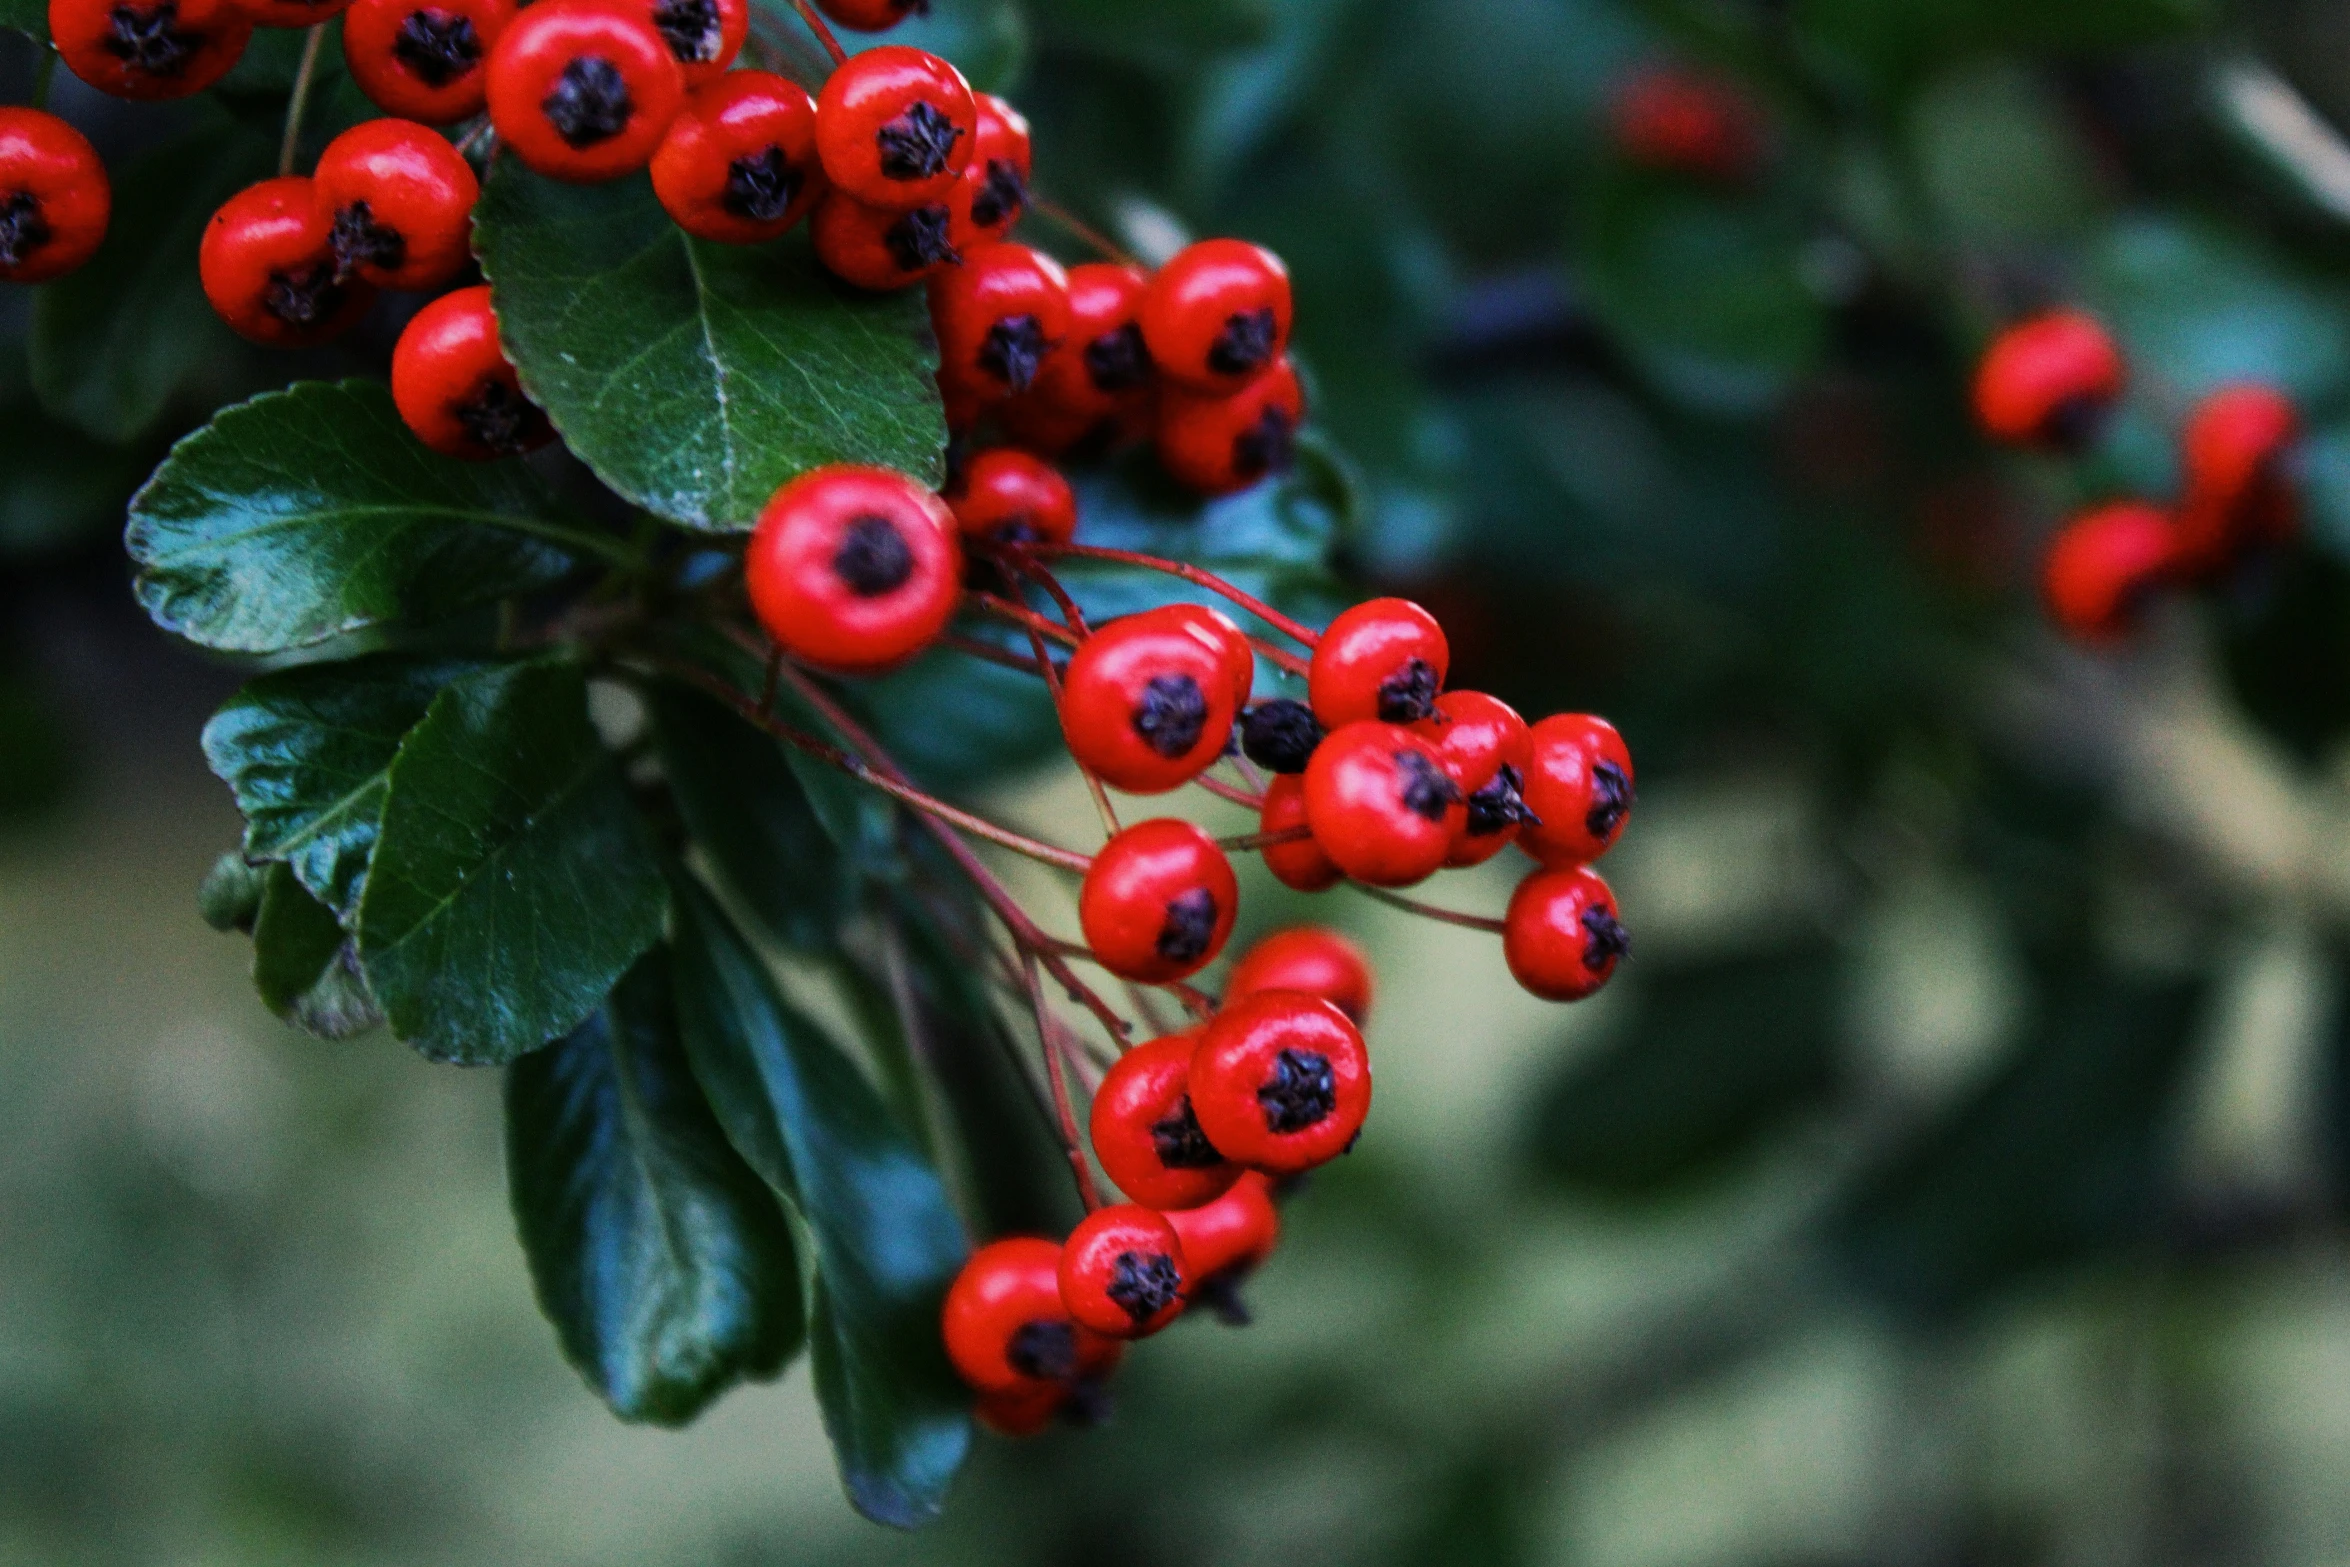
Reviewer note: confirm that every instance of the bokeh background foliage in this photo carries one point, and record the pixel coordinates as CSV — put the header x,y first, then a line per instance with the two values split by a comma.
x,y
1955,1175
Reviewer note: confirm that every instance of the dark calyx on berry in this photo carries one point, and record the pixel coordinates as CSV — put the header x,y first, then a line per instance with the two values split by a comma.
x,y
589,102
1301,1092
1611,797
1180,1143
1014,347
918,241
1408,695
1499,805
690,28
1280,735
436,47
917,144
761,186
148,38
1189,927
1427,790
22,229
1245,345
1116,361
1144,1283
1268,446
1044,1349
1003,195
358,240
873,557
1604,939
2072,425
1171,714
499,418
305,298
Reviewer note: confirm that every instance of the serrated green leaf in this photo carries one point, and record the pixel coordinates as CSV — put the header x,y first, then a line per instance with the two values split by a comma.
x,y
663,1262
304,965
886,1241
513,882
311,512
306,750
697,378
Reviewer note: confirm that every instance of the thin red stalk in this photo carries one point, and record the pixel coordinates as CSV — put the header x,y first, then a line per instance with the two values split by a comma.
x,y
1028,566
1264,840
1224,791
972,647
822,30
1022,615
1280,658
1430,911
1109,248
1087,1191
1191,574
1093,784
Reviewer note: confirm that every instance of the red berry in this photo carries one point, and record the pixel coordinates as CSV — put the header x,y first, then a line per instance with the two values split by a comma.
x,y
1147,702
1122,1271
1300,864
2237,449
1010,497
1105,374
879,249
149,48
1280,1081
1005,1328
400,199
1561,937
1232,645
1217,316
1023,1412
1158,902
1309,958
739,163
854,568
998,316
267,264
1669,119
1227,1239
454,386
2104,564
1217,444
1145,1134
425,59
895,127
583,90
1384,659
54,197
2048,381
1381,805
871,16
992,191
703,36
292,13
1578,787
1485,746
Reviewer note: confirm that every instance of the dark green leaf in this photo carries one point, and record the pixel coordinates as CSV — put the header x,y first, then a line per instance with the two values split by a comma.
x,y
305,966
26,16
886,1242
1900,42
229,897
37,762
697,378
305,752
58,487
513,882
311,512
664,1264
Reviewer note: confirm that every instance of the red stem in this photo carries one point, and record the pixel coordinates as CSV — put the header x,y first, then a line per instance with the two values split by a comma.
x,y
1022,615
1430,911
1085,231
1265,840
1191,574
1224,791
822,30
1087,1191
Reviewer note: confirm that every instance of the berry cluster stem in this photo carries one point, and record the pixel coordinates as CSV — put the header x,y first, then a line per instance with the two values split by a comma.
x,y
1057,1075
298,101
1303,635
1430,911
823,31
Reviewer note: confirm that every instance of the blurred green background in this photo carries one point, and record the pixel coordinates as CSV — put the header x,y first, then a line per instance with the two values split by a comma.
x,y
1957,1173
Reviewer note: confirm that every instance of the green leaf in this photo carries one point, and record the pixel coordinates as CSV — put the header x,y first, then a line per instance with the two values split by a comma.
x,y
229,897
886,1242
664,1264
987,40
1901,42
305,752
513,882
695,378
304,966
30,17
311,512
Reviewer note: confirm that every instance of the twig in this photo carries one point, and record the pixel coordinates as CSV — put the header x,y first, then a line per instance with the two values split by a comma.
x,y
1085,231
1224,791
298,102
1093,783
1429,910
1087,1191
1198,577
823,32
1022,615
1246,841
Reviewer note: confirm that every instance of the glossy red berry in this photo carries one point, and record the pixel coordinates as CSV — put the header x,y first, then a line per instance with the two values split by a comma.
x,y
998,316
2237,450
1578,788
1009,497
871,16
425,60
54,197
400,200
1280,1081
1105,374
1220,444
267,265
1309,958
1023,1412
1670,119
1384,659
454,386
292,13
878,248
2104,565
1122,1271
2048,381
1148,701
1381,805
895,127
992,191
703,36
1233,648
1485,746
583,90
1006,1329
1145,1134
1217,316
149,49
1561,937
1226,1240
1300,864
854,568
1158,902
739,163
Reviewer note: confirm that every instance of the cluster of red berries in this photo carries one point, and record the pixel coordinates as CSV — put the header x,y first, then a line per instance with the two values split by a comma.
x,y
2047,383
